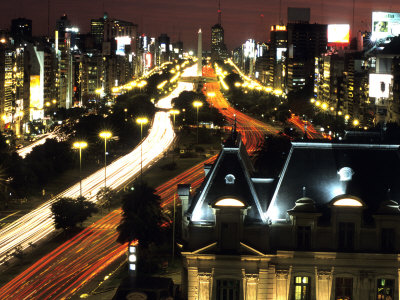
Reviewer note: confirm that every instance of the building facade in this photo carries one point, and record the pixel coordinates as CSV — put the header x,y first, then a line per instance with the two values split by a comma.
x,y
327,228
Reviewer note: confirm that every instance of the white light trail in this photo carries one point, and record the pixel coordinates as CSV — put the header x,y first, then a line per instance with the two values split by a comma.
x,y
37,224
26,150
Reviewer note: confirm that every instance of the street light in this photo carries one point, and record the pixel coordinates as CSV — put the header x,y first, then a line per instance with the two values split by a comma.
x,y
174,112
141,122
197,104
80,145
105,135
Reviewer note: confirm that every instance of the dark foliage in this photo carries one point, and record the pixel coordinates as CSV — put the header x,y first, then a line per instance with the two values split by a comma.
x,y
188,115
142,217
68,212
250,101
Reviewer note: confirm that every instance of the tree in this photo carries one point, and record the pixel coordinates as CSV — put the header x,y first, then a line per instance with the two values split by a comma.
x,y
142,216
105,197
68,212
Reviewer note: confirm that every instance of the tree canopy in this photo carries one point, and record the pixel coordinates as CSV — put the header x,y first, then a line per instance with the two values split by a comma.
x,y
69,212
142,216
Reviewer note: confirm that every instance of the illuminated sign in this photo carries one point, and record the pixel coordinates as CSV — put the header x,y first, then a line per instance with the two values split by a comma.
x,y
385,25
35,92
148,60
249,48
278,28
163,47
279,52
338,33
122,41
379,85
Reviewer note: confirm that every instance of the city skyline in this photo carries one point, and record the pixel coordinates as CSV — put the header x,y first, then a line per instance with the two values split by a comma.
x,y
181,20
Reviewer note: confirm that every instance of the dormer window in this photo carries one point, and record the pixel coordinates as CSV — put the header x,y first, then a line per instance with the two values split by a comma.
x,y
230,179
229,202
347,201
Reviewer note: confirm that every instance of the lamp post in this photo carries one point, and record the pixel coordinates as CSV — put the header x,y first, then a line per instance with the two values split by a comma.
x,y
141,122
80,145
197,104
105,135
174,112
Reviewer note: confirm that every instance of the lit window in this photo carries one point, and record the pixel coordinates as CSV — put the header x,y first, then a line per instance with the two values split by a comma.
x,y
385,289
347,202
301,288
229,202
230,179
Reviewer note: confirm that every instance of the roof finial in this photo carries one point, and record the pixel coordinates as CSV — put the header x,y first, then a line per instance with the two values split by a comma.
x,y
304,191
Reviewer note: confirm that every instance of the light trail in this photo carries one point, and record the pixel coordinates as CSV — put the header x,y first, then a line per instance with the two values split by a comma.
x,y
61,273
38,224
23,152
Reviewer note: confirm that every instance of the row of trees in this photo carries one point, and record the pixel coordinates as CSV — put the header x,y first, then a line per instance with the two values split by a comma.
x,y
143,218
188,113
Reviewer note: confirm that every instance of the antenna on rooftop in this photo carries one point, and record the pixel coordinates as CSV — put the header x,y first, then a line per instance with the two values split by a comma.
x,y
48,18
304,191
219,12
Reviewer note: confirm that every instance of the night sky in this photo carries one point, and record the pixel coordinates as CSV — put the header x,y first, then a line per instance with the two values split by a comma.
x,y
241,19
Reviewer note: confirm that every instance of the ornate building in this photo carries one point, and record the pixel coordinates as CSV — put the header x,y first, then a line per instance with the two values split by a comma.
x,y
327,228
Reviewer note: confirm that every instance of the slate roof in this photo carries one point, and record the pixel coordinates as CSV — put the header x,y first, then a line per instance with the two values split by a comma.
x,y
233,159
376,168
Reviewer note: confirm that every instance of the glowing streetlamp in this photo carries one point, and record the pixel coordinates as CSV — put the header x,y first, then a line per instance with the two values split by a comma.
x,y
80,145
174,112
197,104
141,122
105,135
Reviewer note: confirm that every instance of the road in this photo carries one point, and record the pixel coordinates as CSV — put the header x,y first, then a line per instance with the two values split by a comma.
x,y
63,272
34,226
28,149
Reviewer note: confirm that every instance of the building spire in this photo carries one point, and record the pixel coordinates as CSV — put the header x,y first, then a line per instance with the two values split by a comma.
x,y
219,12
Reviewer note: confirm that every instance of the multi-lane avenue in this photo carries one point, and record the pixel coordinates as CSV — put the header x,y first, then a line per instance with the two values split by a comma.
x,y
65,271
37,224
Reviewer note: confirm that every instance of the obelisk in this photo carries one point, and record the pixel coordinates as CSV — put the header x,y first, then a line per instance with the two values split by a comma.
x,y
199,54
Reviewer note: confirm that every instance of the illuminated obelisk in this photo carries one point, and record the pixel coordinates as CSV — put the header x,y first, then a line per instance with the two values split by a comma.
x,y
199,55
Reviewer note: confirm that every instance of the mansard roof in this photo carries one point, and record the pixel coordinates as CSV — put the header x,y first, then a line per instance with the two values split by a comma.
x,y
229,177
327,170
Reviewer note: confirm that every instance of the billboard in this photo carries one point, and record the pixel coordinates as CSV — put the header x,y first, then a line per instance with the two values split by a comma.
x,y
379,85
122,41
148,60
385,25
338,33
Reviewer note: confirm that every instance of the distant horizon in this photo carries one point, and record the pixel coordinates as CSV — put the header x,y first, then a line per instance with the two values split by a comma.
x,y
179,19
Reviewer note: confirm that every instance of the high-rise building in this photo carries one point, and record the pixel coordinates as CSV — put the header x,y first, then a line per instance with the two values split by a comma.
x,y
305,43
97,30
163,48
277,56
218,47
21,29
